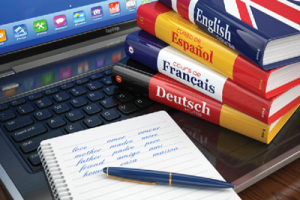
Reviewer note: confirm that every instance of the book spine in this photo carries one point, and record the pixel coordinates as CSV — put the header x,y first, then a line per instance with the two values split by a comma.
x,y
168,91
231,31
170,27
53,172
171,62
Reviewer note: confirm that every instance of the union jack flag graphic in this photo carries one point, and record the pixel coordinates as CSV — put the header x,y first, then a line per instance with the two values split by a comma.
x,y
285,12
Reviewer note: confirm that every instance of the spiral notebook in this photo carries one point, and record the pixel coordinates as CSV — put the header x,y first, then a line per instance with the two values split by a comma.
x,y
73,163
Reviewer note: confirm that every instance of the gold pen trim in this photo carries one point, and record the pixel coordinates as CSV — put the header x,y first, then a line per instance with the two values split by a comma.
x,y
170,179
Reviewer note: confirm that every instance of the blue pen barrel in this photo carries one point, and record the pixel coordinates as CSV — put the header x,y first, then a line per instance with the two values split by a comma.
x,y
165,178
194,181
139,174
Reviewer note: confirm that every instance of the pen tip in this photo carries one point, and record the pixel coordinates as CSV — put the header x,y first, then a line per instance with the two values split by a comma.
x,y
104,170
229,185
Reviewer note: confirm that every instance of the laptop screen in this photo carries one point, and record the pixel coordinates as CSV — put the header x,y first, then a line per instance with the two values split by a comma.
x,y
28,23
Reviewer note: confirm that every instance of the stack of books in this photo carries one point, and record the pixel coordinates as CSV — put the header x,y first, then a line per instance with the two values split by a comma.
x,y
205,61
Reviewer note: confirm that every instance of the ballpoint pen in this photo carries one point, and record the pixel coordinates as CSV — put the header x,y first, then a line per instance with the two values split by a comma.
x,y
159,177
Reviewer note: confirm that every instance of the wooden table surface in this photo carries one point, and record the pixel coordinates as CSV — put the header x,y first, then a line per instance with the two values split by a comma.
x,y
284,184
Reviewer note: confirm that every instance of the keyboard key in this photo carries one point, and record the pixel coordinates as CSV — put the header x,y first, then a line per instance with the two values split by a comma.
x,y
25,109
95,96
43,103
28,132
7,115
143,102
18,102
18,123
61,108
77,91
78,102
34,159
3,107
92,109
125,97
74,116
74,128
110,114
32,144
93,122
82,81
96,76
60,97
42,114
51,91
109,102
66,86
127,108
34,96
56,122
107,72
94,85
111,90
107,81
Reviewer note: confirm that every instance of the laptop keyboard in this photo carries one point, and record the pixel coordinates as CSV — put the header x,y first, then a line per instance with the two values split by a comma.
x,y
75,106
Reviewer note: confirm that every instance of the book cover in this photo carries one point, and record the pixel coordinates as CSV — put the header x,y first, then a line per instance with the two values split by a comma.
x,y
172,28
133,76
161,57
265,32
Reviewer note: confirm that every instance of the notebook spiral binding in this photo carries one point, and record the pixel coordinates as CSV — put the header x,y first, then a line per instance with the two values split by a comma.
x,y
54,174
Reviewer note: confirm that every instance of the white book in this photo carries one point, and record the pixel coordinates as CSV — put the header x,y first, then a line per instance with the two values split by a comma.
x,y
74,163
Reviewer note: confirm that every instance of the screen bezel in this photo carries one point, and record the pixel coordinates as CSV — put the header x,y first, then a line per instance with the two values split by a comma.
x,y
53,46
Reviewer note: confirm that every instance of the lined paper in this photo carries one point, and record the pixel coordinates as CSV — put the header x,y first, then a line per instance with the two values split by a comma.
x,y
152,141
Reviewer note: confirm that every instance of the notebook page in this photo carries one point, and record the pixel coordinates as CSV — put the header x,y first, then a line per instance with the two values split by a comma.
x,y
152,141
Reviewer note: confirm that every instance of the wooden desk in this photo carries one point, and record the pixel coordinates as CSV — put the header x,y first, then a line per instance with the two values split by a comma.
x,y
284,184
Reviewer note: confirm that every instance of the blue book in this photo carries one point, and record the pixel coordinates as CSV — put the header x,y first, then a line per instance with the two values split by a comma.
x,y
264,31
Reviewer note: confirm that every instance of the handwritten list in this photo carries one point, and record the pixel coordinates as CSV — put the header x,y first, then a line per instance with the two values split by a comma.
x,y
153,142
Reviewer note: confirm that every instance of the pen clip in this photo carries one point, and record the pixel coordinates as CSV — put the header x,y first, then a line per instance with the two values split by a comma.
x,y
132,180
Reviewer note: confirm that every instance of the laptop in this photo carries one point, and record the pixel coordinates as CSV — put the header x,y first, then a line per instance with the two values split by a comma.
x,y
55,65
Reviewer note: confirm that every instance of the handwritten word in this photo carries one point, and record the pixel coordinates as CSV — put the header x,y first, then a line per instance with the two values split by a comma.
x,y
120,144
149,136
122,150
130,155
84,167
87,173
128,162
78,149
151,142
88,153
149,130
81,161
154,148
165,151
116,139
